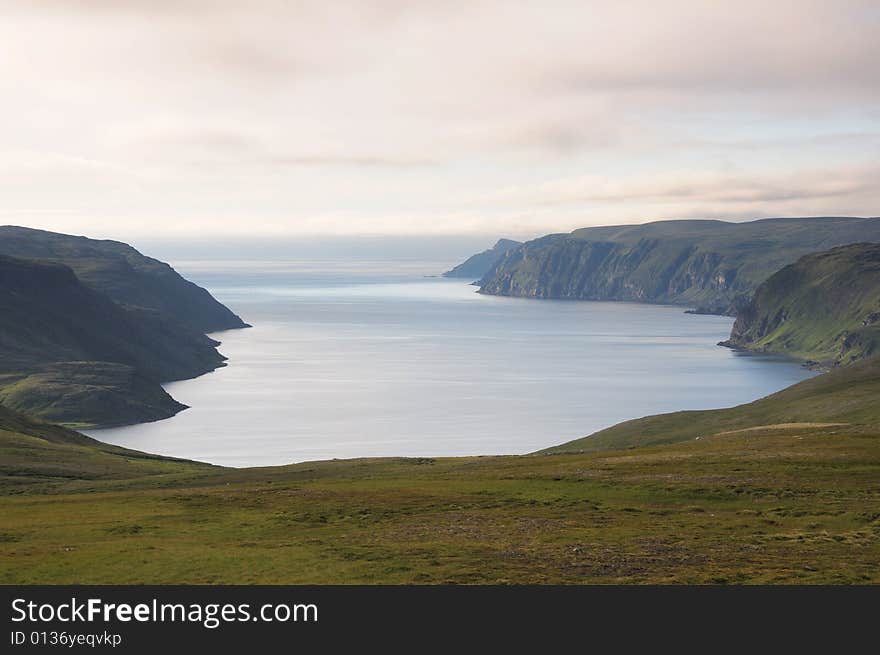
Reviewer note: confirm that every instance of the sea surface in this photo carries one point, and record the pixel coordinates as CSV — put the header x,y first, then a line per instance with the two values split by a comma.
x,y
376,359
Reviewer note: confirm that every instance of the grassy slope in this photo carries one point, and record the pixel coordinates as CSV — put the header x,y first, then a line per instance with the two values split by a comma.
x,y
825,307
36,457
70,354
711,264
92,393
777,504
846,395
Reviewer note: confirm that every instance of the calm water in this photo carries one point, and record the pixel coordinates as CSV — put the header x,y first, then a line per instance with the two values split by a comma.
x,y
362,362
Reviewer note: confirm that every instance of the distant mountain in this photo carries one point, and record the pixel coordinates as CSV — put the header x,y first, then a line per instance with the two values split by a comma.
x,y
825,308
478,265
69,353
713,266
124,275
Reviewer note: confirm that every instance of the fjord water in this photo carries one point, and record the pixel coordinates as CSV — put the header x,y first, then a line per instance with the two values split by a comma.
x,y
364,361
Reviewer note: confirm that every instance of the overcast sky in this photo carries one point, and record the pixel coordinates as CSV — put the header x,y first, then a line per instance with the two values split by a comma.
x,y
124,118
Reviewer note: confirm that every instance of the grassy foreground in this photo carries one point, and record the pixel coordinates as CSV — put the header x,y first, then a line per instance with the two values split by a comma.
x,y
749,501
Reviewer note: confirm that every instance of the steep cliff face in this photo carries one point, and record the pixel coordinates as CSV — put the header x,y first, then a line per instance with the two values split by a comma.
x,y
646,271
824,308
710,265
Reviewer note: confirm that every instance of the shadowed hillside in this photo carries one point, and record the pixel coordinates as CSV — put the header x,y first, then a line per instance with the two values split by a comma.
x,y
70,354
124,275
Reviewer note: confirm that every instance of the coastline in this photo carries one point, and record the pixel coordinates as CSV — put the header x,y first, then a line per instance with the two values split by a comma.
x,y
659,332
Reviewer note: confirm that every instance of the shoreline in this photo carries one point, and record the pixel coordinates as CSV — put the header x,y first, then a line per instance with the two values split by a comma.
x,y
158,438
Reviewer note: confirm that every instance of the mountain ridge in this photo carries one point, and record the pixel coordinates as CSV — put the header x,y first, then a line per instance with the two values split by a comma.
x,y
124,274
712,266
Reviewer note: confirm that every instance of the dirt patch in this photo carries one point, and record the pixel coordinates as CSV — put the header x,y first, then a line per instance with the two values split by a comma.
x,y
780,426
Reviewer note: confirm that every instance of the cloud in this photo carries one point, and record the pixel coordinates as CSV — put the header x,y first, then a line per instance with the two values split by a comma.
x,y
276,115
369,161
720,187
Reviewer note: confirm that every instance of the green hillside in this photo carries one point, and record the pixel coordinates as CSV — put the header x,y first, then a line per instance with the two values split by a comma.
x,y
35,455
710,265
846,395
825,308
124,275
70,354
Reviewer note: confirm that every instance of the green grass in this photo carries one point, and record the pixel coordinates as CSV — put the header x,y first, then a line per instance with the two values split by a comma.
x,y
768,505
845,395
825,307
37,457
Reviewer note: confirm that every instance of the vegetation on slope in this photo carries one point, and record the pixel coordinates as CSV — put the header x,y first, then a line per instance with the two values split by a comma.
x,y
784,506
69,353
781,490
784,494
84,394
476,266
36,456
825,308
711,265
846,395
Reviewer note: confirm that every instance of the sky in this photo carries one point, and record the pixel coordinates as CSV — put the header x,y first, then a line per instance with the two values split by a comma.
x,y
180,119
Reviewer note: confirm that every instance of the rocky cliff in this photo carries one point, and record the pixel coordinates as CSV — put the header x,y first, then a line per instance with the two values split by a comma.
x,y
712,266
